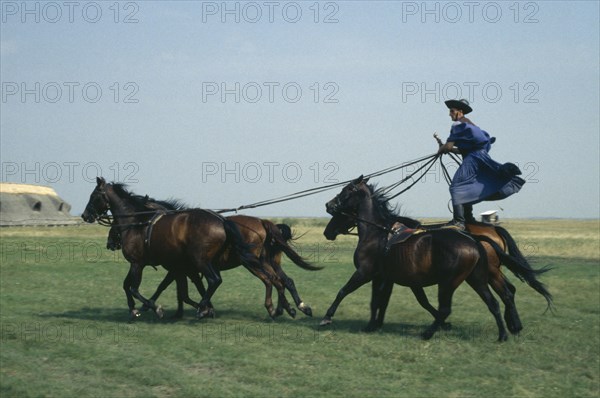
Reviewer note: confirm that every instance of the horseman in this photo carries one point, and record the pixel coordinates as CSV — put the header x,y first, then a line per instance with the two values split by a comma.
x,y
479,177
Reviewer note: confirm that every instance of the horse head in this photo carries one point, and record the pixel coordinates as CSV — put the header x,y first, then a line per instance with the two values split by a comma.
x,y
349,198
338,225
98,205
344,208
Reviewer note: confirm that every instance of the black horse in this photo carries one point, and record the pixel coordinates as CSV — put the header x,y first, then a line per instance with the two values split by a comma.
x,y
192,238
501,249
443,257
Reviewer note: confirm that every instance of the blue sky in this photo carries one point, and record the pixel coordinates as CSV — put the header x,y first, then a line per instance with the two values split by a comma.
x,y
180,99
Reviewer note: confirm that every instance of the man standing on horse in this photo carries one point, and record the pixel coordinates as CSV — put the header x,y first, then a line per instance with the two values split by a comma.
x,y
479,177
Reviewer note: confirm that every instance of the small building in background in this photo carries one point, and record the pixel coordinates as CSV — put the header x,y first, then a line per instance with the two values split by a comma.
x,y
32,205
490,217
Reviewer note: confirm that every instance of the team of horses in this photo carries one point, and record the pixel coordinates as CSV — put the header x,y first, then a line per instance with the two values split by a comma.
x,y
197,244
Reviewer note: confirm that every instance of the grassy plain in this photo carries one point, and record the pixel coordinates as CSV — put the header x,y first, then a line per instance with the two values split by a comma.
x,y
64,329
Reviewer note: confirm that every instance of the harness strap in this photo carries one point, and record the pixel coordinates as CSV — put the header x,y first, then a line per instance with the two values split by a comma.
x,y
151,224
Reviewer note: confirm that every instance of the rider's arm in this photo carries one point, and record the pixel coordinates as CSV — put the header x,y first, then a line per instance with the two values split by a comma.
x,y
448,147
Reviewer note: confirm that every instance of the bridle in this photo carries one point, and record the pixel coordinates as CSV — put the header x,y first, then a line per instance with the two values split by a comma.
x,y
109,220
102,217
336,209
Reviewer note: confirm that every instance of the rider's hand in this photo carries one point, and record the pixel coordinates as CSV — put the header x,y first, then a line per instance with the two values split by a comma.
x,y
447,147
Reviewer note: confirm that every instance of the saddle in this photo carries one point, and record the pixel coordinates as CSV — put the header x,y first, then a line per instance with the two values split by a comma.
x,y
400,233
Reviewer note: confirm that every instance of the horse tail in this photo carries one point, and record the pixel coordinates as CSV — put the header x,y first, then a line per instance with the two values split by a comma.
x,y
520,267
278,237
242,248
513,249
286,231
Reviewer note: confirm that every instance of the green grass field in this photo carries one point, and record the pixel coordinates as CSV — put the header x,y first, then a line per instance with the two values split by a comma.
x,y
65,331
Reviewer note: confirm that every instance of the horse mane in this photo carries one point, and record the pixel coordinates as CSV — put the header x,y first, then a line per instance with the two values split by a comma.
x,y
384,210
169,204
145,203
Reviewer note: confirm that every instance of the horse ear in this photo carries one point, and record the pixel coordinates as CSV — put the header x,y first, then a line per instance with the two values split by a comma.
x,y
358,180
365,180
100,181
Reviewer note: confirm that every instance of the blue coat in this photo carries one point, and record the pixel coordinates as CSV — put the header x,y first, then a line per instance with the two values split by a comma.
x,y
479,177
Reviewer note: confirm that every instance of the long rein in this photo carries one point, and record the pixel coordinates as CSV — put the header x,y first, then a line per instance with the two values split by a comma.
x,y
108,220
369,222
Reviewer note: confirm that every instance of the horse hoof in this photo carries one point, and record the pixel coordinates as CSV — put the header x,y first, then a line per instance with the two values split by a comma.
x,y
305,309
159,312
292,313
326,322
134,314
502,338
177,315
515,330
207,313
427,335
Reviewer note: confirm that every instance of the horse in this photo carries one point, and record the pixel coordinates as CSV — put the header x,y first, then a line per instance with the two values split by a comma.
x,y
496,241
195,238
268,242
500,247
442,257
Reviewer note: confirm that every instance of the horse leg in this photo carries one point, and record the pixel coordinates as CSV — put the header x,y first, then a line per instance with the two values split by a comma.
x,y
213,278
266,274
380,297
517,325
282,301
422,299
506,292
445,293
133,312
291,287
504,289
356,280
167,280
262,275
196,279
182,295
135,270
484,292
269,298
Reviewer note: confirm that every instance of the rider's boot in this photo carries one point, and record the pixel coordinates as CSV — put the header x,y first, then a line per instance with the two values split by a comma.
x,y
468,211
458,221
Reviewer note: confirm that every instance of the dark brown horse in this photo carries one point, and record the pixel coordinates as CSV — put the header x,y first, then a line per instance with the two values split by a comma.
x,y
500,247
192,238
443,257
269,242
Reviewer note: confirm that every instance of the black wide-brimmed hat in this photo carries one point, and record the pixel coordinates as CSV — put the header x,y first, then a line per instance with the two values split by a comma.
x,y
461,104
